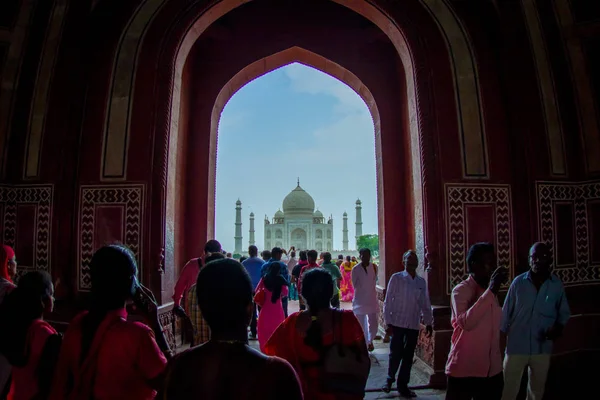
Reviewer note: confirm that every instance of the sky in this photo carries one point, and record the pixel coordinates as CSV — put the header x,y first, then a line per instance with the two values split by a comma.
x,y
295,122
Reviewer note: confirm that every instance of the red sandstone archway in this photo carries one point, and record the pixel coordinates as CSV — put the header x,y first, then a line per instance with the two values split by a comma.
x,y
398,228
179,219
280,59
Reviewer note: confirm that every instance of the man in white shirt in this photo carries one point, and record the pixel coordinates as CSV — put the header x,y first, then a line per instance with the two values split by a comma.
x,y
364,305
406,301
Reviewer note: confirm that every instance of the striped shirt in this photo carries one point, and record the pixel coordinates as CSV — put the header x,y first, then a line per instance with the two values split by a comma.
x,y
406,301
201,328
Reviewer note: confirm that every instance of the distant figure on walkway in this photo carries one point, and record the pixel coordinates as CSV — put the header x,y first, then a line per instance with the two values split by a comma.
x,y
474,365
535,313
339,260
253,266
291,264
326,347
406,301
271,289
336,276
311,256
276,254
266,255
302,262
365,306
346,287
226,367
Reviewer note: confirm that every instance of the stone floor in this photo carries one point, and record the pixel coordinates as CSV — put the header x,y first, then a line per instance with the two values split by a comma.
x,y
379,364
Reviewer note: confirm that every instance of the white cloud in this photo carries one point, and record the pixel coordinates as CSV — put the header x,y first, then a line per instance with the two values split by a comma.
x,y
305,79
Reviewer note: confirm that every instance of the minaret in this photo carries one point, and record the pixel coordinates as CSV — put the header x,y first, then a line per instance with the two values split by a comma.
x,y
251,229
345,232
358,231
238,227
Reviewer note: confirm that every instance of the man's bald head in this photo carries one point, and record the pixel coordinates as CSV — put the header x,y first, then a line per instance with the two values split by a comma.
x,y
540,258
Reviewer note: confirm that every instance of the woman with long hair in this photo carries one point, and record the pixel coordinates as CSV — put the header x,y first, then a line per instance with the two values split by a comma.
x,y
105,356
8,270
346,288
271,288
29,343
326,347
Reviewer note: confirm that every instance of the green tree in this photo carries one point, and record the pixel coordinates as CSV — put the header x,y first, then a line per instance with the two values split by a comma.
x,y
371,242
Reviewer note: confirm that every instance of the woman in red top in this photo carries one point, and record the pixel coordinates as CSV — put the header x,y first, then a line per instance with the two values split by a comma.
x,y
29,343
311,341
105,356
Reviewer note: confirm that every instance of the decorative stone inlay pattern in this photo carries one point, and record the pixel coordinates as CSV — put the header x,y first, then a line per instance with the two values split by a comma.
x,y
41,197
131,197
458,196
548,193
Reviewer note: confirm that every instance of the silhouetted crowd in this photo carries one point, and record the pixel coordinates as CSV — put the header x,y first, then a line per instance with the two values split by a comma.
x,y
320,352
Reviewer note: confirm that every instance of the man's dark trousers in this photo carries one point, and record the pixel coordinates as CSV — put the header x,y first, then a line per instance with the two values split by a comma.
x,y
254,321
335,300
402,351
284,304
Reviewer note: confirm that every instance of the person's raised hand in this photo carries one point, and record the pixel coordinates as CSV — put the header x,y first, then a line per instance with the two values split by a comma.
x,y
499,276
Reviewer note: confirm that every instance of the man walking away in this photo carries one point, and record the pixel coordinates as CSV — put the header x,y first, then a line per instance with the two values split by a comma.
x,y
336,275
266,255
364,305
534,314
406,301
253,265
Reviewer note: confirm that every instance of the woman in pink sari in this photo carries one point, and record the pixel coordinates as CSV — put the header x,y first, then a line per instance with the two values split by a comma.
x,y
269,292
346,288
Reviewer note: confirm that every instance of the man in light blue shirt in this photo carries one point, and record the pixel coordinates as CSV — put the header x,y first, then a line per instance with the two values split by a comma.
x,y
534,314
253,265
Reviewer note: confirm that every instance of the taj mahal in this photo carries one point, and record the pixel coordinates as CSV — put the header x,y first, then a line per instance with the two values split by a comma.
x,y
298,225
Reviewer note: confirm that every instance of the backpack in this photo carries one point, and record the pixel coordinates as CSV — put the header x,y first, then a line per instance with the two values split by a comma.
x,y
344,368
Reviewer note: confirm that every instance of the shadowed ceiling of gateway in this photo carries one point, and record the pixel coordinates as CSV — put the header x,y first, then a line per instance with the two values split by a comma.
x,y
278,25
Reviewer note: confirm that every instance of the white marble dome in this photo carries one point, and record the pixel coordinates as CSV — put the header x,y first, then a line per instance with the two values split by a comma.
x,y
298,202
278,214
318,214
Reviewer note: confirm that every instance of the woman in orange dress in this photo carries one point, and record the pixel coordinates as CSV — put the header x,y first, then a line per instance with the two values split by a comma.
x,y
326,347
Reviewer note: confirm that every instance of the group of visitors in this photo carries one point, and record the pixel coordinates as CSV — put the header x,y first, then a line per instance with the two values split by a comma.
x,y
310,342
534,314
318,353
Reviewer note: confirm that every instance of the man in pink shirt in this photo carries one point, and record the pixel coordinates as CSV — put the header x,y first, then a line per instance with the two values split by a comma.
x,y
474,366
188,275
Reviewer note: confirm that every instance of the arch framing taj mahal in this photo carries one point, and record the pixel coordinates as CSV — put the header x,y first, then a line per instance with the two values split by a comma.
x,y
486,121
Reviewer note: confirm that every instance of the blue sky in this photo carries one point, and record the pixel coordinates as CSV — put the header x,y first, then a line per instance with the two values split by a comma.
x,y
293,122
